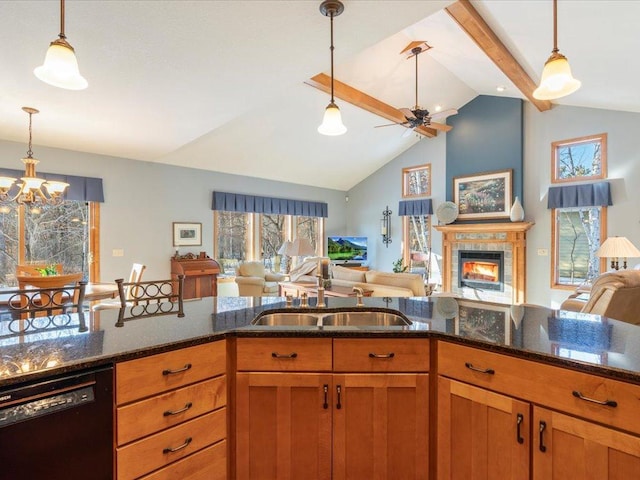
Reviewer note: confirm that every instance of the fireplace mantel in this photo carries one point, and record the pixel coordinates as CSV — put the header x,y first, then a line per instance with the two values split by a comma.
x,y
507,236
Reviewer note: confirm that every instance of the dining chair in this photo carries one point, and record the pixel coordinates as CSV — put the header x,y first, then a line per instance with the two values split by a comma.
x,y
137,269
150,298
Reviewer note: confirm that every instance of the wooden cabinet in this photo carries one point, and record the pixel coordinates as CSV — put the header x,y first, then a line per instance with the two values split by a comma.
x,y
200,275
482,396
568,447
481,434
171,416
291,419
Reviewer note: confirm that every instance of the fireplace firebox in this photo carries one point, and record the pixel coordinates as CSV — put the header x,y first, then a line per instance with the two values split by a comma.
x,y
481,270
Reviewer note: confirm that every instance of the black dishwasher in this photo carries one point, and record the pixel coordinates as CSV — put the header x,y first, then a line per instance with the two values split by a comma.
x,y
60,428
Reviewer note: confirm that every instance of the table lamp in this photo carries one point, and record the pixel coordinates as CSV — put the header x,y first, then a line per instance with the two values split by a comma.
x,y
300,247
616,248
283,250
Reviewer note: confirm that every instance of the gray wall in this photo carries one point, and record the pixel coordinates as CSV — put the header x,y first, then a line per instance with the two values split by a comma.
x,y
142,199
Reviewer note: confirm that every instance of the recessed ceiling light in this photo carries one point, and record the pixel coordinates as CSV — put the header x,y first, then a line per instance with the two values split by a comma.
x,y
501,88
438,108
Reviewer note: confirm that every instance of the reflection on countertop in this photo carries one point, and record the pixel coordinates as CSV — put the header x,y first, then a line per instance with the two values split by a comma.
x,y
38,347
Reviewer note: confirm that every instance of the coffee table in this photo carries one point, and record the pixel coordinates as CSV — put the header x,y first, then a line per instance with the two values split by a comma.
x,y
295,289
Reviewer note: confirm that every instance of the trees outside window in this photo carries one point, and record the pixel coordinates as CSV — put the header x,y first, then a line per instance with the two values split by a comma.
x,y
48,235
231,239
582,158
417,245
272,235
309,228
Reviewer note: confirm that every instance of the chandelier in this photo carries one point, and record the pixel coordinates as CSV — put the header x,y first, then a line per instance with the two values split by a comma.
x,y
30,191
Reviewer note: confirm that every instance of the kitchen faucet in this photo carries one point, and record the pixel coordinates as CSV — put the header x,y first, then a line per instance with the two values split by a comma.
x,y
320,303
359,295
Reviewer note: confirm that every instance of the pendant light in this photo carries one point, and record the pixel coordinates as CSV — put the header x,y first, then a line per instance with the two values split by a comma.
x,y
60,67
332,121
557,81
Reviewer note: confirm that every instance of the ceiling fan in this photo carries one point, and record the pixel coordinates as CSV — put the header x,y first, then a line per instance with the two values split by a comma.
x,y
417,117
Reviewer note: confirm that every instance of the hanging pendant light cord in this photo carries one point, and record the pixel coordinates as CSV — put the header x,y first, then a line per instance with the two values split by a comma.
x,y
555,26
62,35
416,106
331,13
30,152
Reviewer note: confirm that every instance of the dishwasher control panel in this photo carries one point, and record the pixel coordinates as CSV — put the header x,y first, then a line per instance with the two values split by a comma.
x,y
43,406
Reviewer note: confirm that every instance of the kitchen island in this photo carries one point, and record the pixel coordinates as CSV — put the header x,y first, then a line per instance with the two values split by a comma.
x,y
523,366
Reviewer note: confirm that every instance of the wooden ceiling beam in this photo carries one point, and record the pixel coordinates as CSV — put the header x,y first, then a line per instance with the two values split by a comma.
x,y
471,22
366,102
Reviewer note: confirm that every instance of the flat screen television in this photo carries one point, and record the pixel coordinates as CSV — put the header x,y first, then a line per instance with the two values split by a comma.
x,y
342,249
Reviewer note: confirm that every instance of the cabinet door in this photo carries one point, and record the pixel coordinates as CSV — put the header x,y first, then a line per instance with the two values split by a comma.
x,y
567,447
283,425
481,434
380,426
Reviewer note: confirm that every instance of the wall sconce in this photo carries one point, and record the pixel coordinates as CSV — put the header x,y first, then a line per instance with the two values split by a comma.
x,y
385,227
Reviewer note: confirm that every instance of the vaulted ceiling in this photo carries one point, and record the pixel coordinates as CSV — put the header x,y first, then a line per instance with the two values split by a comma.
x,y
220,85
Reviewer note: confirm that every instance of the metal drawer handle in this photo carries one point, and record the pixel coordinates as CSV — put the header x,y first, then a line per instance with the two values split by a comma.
x,y
284,355
382,355
543,426
325,405
175,449
488,371
180,370
606,403
519,420
339,391
168,413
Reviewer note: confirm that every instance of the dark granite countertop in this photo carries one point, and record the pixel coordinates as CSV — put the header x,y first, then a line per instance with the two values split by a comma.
x,y
49,346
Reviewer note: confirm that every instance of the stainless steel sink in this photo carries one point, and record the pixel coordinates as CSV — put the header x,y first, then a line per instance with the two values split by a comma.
x,y
364,319
288,319
340,319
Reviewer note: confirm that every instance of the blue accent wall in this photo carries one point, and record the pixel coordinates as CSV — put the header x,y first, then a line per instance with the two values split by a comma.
x,y
487,135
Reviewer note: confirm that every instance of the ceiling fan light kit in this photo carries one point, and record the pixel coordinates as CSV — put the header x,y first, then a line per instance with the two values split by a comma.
x,y
332,120
60,67
557,80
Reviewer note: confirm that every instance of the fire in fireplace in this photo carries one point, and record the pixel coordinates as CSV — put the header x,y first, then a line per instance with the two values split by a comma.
x,y
482,270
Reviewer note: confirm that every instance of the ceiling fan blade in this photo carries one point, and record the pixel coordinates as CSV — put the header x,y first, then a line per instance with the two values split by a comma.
x,y
407,113
387,125
444,114
443,127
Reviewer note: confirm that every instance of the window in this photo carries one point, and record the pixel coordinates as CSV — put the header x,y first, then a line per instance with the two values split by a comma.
x,y
577,235
65,234
582,158
417,241
232,240
272,235
309,228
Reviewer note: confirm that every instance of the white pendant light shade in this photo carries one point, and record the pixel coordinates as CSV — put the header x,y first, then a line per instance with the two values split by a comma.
x,y
557,80
60,67
55,188
332,121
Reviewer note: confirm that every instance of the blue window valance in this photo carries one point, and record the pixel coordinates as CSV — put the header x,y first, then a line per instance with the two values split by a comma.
x,y
83,189
237,202
415,207
587,195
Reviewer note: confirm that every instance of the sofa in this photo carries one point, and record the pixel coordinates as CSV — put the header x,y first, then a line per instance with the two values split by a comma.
x,y
613,294
255,281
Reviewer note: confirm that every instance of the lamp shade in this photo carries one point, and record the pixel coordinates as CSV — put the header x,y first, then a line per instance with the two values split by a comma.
x,y
557,80
332,121
300,247
618,247
284,248
60,67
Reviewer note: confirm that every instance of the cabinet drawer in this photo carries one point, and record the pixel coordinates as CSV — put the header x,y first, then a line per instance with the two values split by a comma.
x,y
554,387
201,271
380,355
284,354
145,417
151,453
158,373
207,464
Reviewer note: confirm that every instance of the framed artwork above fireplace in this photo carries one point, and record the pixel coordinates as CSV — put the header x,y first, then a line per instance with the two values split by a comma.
x,y
484,196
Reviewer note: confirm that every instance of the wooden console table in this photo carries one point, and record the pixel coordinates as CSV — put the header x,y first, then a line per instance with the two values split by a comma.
x,y
200,275
295,289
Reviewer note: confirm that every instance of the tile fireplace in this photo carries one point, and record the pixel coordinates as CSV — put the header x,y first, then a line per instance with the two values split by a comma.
x,y
485,261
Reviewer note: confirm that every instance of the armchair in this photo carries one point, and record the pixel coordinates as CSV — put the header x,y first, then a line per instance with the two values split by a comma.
x,y
613,294
254,281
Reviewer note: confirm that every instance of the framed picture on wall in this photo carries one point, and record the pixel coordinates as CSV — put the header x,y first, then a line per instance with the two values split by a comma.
x,y
187,234
416,181
483,196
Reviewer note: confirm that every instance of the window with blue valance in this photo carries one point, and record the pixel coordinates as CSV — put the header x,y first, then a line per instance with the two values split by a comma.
x,y
587,195
237,202
83,189
415,207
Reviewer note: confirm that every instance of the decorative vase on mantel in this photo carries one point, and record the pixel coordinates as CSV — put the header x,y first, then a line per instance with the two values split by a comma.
x,y
517,212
